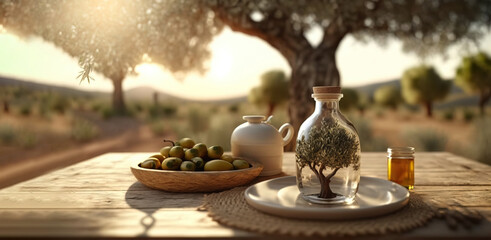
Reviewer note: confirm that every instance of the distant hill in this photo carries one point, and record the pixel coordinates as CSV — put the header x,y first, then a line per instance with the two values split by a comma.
x,y
134,94
370,89
8,81
456,98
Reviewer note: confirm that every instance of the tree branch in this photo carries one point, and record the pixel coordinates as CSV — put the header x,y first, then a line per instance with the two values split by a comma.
x,y
332,173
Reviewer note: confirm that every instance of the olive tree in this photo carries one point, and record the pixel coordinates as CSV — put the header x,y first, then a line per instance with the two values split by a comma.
x,y
350,99
112,37
272,91
421,26
388,96
328,147
474,75
423,85
424,27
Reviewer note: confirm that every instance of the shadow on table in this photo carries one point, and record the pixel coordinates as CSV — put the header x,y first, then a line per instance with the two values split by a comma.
x,y
149,201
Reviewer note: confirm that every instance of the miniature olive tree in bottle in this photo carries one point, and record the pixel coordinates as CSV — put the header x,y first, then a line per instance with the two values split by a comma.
x,y
328,152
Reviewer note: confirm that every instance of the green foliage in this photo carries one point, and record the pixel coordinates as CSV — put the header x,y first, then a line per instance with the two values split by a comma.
x,y
234,108
474,76
158,127
481,142
474,73
368,142
329,145
25,109
272,91
468,115
7,134
449,114
199,121
423,85
27,139
350,99
83,130
388,96
426,140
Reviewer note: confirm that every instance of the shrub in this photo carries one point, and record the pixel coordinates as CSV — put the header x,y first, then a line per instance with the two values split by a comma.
x,y
84,131
368,141
198,121
157,127
27,139
449,115
468,115
482,141
426,139
107,112
7,134
25,110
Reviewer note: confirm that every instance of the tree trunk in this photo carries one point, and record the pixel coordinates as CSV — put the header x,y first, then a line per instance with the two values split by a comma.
x,y
118,99
271,107
6,106
311,68
429,109
326,191
482,102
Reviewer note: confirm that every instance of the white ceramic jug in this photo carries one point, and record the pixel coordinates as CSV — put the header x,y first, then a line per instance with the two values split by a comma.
x,y
259,141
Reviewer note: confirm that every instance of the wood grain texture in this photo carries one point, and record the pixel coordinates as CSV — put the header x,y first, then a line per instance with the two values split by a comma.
x,y
100,198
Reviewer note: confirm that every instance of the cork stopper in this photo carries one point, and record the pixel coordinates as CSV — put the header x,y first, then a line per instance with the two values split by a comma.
x,y
326,89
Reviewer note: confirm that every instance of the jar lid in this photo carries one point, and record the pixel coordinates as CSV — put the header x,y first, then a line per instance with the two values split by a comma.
x,y
327,93
327,89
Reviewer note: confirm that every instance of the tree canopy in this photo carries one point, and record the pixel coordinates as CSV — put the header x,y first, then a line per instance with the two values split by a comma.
x,y
474,75
350,99
272,91
423,85
388,96
179,40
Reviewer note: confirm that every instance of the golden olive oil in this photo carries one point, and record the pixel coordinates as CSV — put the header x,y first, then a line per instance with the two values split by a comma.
x,y
401,171
400,166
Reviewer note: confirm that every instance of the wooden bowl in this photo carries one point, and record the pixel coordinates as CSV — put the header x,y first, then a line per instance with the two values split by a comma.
x,y
199,181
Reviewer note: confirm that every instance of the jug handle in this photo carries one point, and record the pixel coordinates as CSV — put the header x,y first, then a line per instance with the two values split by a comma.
x,y
289,135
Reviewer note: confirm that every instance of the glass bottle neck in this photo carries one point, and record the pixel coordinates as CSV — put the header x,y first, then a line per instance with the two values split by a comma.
x,y
326,105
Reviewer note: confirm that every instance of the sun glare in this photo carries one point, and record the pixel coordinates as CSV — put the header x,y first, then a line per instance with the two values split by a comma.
x,y
221,64
148,70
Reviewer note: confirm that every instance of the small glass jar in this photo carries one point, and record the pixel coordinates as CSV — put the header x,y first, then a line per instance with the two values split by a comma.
x,y
327,154
400,166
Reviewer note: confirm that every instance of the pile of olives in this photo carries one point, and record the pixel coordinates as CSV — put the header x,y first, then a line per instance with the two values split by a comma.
x,y
185,155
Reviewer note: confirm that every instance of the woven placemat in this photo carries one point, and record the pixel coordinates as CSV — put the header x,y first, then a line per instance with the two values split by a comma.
x,y
231,209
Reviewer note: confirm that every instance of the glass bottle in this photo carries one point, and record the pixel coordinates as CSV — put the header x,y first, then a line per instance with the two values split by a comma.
x,y
400,166
328,152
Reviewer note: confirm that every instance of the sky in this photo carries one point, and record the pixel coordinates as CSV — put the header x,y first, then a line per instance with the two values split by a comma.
x,y
235,67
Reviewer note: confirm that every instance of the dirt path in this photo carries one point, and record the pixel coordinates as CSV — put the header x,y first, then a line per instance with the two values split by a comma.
x,y
139,139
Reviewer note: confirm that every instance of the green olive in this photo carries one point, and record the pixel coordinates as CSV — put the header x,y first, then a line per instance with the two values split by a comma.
x,y
227,158
171,163
191,153
240,164
176,151
188,166
151,163
186,142
203,150
165,151
159,157
218,165
198,162
215,152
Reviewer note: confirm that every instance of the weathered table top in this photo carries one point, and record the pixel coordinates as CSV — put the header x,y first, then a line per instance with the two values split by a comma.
x,y
100,198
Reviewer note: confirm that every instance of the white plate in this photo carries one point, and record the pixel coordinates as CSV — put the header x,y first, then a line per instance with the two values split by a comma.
x,y
281,197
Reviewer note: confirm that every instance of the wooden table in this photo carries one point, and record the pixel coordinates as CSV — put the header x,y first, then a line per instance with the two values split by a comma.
x,y
100,198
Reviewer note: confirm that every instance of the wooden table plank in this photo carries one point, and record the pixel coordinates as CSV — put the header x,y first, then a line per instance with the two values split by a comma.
x,y
100,198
